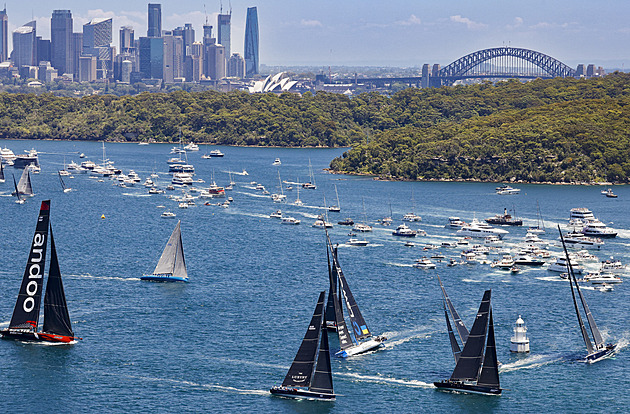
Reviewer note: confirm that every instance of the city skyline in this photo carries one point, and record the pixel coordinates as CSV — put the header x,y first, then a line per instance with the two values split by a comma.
x,y
370,33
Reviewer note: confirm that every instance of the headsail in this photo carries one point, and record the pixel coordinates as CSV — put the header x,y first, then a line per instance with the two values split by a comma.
x,y
359,326
469,364
56,317
459,324
172,260
26,311
490,369
322,378
451,336
301,370
332,291
24,185
345,340
63,185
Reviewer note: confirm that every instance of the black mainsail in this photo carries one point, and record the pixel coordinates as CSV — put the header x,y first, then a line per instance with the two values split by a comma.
x,y
311,369
56,317
1,172
26,311
477,371
600,350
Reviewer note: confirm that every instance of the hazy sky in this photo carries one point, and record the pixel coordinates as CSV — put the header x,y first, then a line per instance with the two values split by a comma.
x,y
382,33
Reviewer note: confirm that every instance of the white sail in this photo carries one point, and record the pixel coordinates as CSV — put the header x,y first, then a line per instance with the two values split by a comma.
x,y
172,261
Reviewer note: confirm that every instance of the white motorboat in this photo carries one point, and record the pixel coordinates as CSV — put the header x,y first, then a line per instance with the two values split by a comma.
x,y
595,228
183,204
133,176
612,265
168,214
581,213
527,260
481,230
604,287
290,220
155,190
217,153
7,155
506,262
364,228
191,147
148,183
424,263
600,278
357,242
533,239
404,231
507,190
64,173
320,223
469,257
276,214
181,178
580,241
277,162
449,244
411,217
560,266
455,223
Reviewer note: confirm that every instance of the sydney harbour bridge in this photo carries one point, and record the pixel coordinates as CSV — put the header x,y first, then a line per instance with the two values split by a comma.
x,y
495,63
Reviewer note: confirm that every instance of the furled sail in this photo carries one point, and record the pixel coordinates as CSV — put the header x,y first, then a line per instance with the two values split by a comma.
x,y
301,370
469,364
172,260
56,317
26,311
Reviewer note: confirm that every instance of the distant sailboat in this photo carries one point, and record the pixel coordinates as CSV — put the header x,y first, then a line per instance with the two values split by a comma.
x,y
171,267
24,186
16,193
475,371
302,381
540,226
361,339
337,207
63,185
57,326
311,184
1,172
598,349
412,216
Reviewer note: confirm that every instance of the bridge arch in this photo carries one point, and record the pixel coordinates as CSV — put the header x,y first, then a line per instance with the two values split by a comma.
x,y
472,65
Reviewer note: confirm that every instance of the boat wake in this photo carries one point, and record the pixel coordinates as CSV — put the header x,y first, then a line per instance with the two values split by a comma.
x,y
531,362
253,194
206,386
399,338
399,264
550,279
89,276
380,379
136,194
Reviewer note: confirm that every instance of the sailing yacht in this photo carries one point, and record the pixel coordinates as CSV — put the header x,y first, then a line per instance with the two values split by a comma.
x,y
475,371
597,349
412,216
24,186
63,185
171,267
360,340
17,193
1,172
302,381
336,208
24,322
540,225
311,184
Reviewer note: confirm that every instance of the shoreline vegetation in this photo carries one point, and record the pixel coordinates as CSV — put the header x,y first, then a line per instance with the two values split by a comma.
x,y
544,131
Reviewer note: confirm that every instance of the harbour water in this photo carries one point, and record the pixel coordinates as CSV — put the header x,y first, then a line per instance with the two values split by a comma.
x,y
218,343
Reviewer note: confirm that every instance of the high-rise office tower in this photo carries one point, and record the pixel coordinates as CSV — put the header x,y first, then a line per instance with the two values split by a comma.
x,y
214,61
155,20
251,42
97,33
24,44
187,33
236,66
151,60
173,57
126,39
207,32
224,29
75,53
61,41
43,50
4,34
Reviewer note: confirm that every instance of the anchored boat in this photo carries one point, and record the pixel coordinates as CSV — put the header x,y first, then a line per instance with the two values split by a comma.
x,y
24,322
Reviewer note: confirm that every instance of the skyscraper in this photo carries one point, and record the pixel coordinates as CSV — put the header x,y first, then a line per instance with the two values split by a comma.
x,y
61,41
126,39
251,42
187,33
236,66
24,44
4,34
173,57
155,20
151,57
97,33
224,29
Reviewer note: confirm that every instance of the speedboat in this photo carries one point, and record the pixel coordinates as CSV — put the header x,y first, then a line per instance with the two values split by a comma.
x,y
595,228
362,227
455,223
601,278
276,214
560,266
154,190
580,241
168,214
506,262
411,217
604,287
479,229
357,242
277,162
191,147
290,220
404,231
527,260
507,190
424,263
320,223
346,222
216,153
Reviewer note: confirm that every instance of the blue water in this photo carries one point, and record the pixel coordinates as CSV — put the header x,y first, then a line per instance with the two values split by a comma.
x,y
221,341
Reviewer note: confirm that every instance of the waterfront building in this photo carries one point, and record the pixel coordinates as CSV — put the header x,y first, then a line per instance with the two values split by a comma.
x,y
24,43
151,57
4,35
236,66
251,42
224,32
61,41
155,20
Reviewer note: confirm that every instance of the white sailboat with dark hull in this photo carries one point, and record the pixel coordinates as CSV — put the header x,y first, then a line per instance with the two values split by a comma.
x,y
24,322
597,349
310,375
476,367
360,340
65,188
172,266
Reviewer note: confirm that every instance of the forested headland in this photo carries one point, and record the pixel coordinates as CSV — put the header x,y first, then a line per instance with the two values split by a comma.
x,y
557,130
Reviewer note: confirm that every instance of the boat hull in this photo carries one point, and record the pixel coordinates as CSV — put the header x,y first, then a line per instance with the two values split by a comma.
x,y
27,336
362,347
601,354
301,394
163,278
457,386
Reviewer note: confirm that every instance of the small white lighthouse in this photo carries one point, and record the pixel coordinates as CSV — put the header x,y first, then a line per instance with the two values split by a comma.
x,y
520,341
